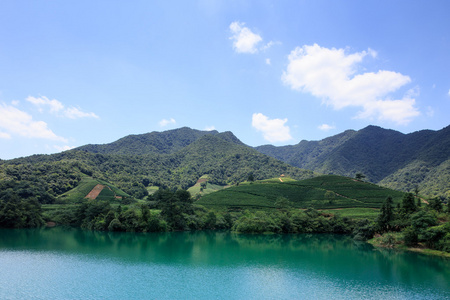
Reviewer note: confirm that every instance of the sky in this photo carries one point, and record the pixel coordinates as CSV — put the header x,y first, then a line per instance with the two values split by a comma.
x,y
272,72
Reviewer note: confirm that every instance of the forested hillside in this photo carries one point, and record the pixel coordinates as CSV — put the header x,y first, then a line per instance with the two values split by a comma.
x,y
400,161
150,143
178,158
221,156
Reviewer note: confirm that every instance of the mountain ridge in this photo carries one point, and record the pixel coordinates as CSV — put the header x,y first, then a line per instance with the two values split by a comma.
x,y
180,156
382,155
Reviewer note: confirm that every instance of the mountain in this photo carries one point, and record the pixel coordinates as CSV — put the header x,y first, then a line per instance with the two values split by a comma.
x,y
172,159
178,158
390,158
154,142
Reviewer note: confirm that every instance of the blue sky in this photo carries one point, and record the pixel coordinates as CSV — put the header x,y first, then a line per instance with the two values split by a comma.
x,y
90,72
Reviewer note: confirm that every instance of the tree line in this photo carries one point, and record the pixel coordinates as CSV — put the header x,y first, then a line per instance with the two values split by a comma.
x,y
410,223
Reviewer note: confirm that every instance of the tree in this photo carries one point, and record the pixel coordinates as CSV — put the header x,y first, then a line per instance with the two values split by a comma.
x,y
330,195
173,206
408,204
386,215
145,182
360,176
211,220
282,203
251,178
436,204
416,190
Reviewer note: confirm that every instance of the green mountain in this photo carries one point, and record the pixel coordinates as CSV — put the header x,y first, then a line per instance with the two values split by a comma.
x,y
387,157
154,142
135,164
138,164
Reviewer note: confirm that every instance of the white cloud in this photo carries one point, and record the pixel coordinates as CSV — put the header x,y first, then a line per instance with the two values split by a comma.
x,y
63,148
210,128
326,127
398,111
4,135
449,92
15,102
165,122
43,101
75,113
58,108
273,130
15,121
267,46
331,74
268,61
430,111
244,40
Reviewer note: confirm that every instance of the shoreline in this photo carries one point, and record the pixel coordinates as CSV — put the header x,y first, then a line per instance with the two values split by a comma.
x,y
376,242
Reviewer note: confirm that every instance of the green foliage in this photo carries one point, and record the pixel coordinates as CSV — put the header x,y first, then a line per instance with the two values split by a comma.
x,y
211,220
390,239
357,213
364,230
312,192
408,204
17,213
410,236
436,204
258,222
174,206
359,176
250,177
386,157
133,169
20,205
293,221
282,203
386,216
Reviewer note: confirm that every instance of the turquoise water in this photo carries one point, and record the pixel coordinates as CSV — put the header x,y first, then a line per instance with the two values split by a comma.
x,y
56,263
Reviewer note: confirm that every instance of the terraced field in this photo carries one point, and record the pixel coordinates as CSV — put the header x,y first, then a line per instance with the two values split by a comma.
x,y
86,186
323,192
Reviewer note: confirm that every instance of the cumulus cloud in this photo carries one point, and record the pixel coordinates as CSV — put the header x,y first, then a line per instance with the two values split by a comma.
x,y
15,121
326,127
331,74
210,128
273,130
58,108
244,40
165,122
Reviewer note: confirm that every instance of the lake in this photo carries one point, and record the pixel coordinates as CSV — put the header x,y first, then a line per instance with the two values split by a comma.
x,y
61,263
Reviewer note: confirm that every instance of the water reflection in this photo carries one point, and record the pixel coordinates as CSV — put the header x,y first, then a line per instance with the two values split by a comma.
x,y
327,255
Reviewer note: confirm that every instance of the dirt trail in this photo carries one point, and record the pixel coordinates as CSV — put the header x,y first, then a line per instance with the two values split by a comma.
x,y
281,179
95,191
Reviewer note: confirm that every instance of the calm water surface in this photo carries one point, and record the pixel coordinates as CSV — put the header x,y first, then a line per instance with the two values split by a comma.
x,y
56,263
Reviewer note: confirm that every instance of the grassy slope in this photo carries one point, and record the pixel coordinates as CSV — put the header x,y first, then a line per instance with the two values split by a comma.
x,y
349,193
85,186
196,190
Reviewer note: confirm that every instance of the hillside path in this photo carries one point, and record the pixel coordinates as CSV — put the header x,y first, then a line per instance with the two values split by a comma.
x,y
95,191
